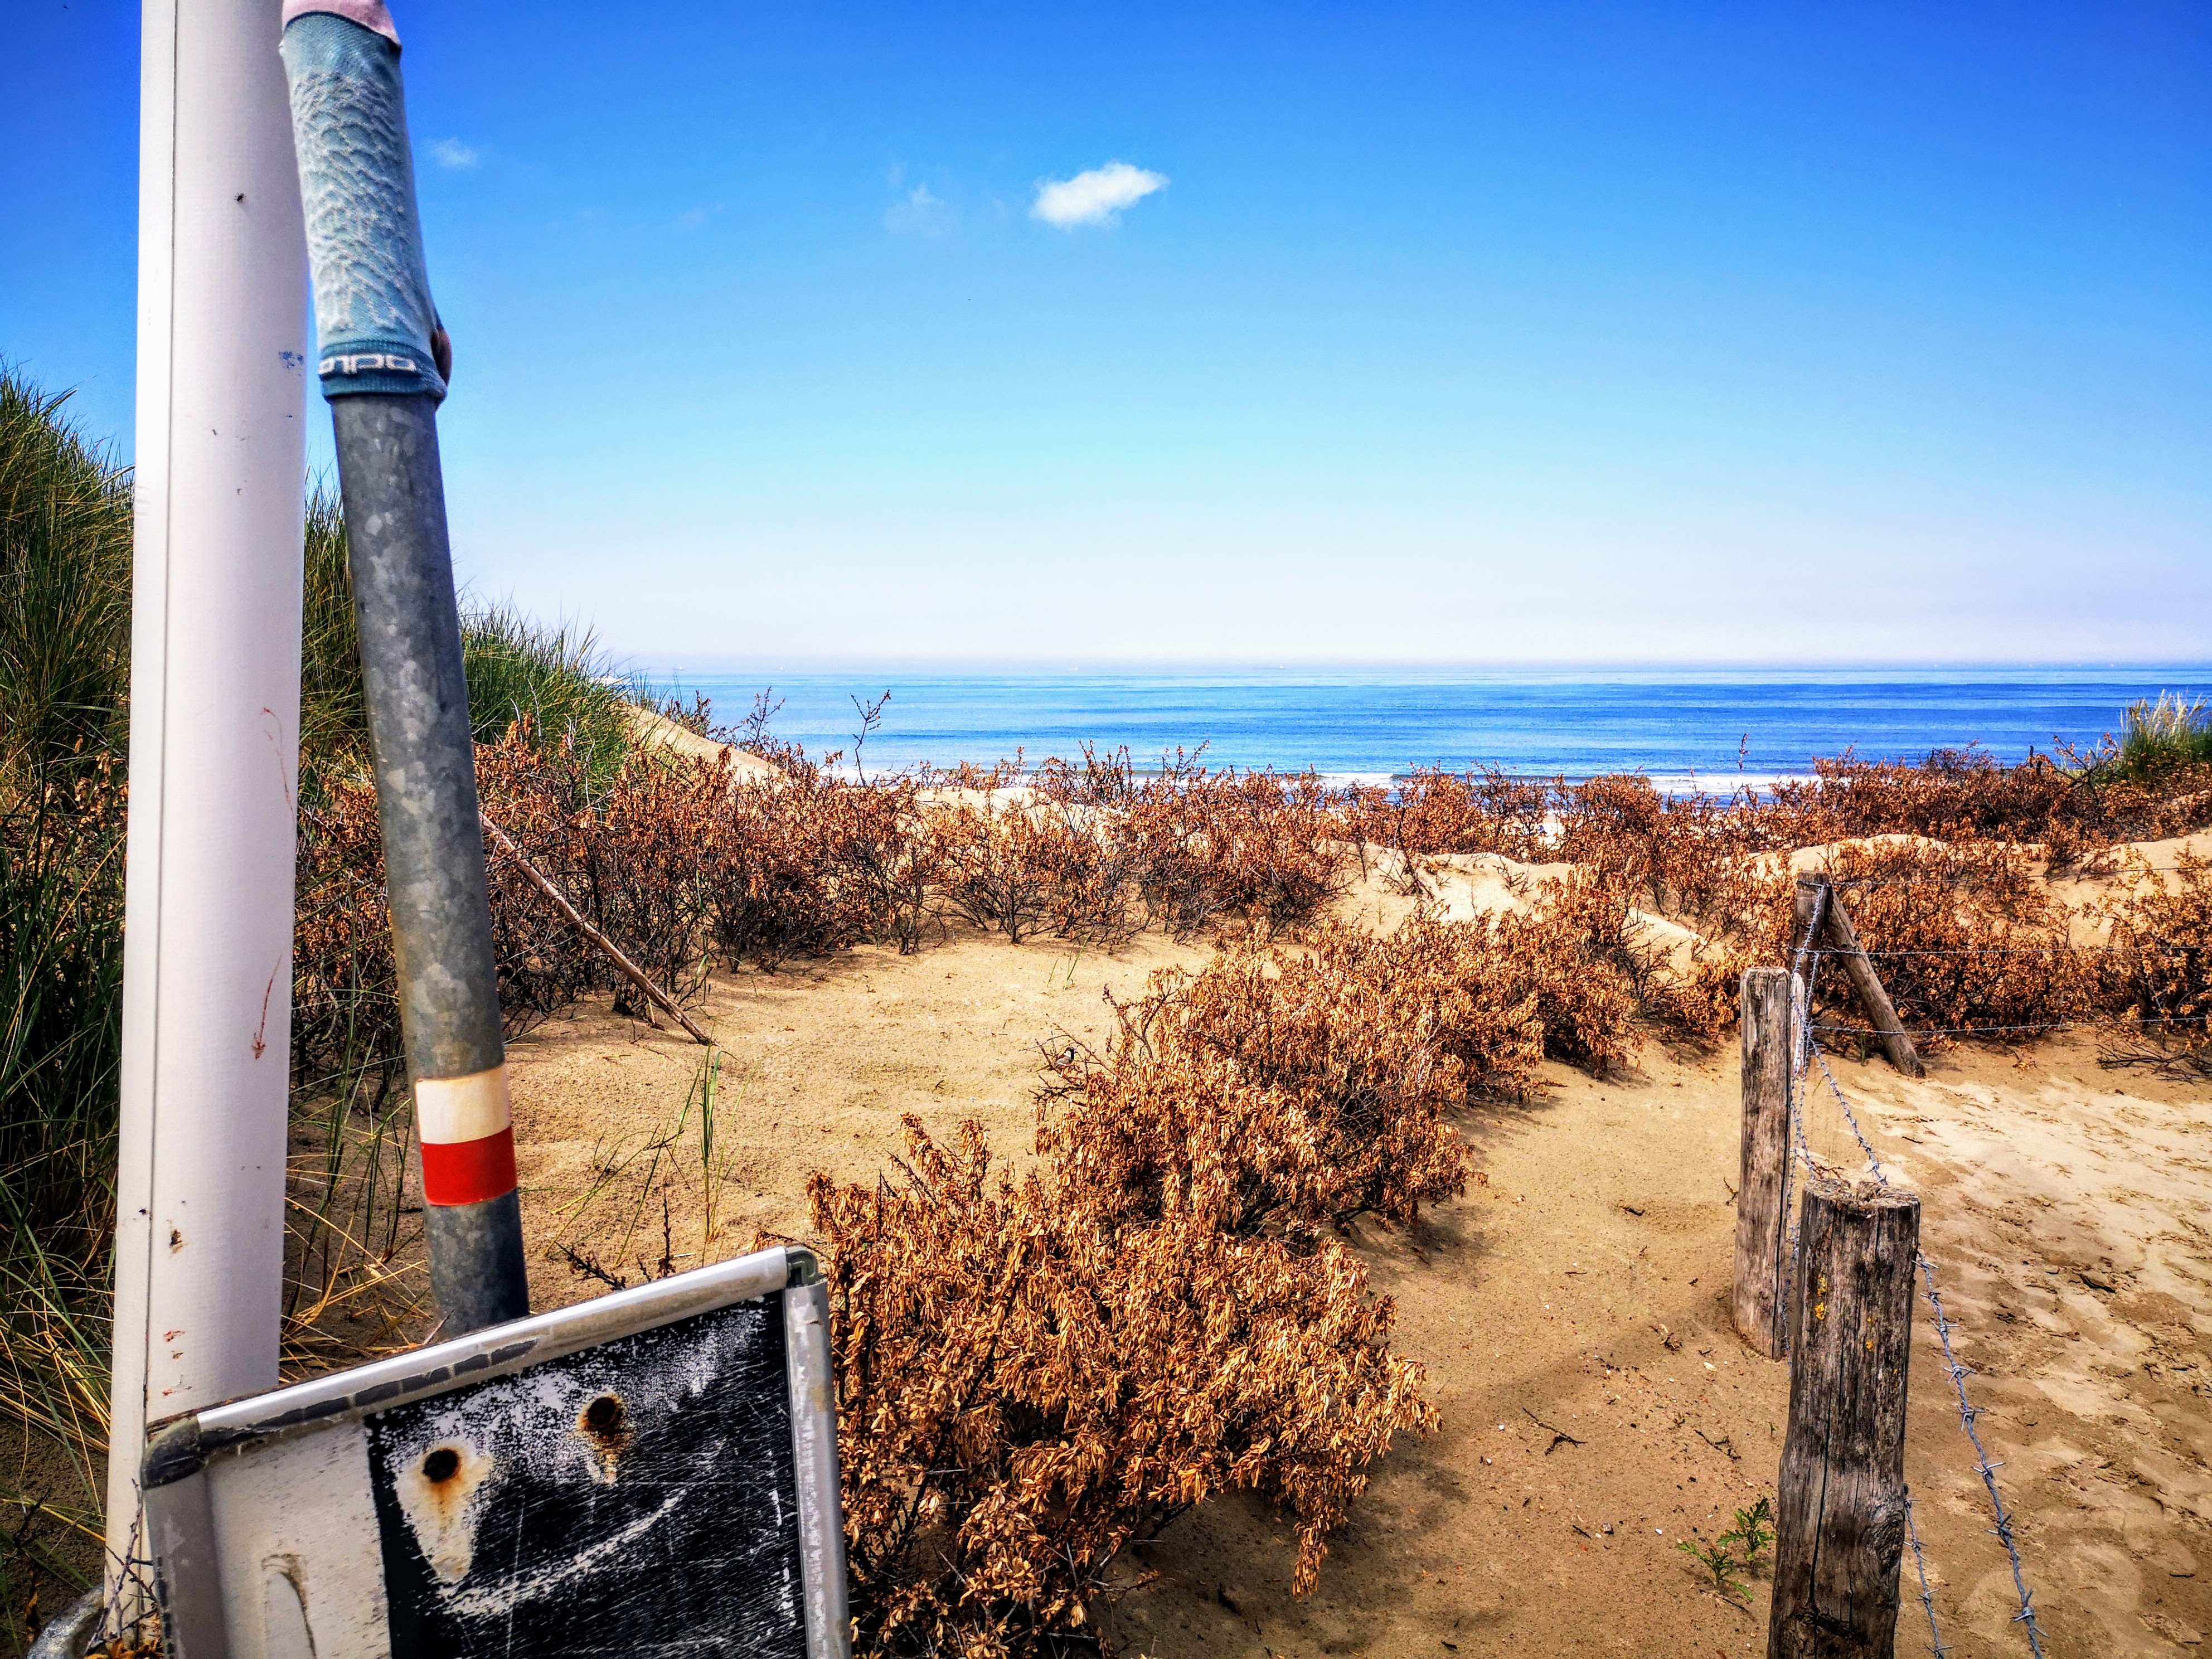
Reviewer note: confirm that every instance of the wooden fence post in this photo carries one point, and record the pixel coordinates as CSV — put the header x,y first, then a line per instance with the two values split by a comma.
x,y
1840,1525
1811,912
1843,941
1762,1222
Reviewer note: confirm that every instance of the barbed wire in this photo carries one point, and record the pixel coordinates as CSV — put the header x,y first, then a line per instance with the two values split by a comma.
x,y
1807,1053
1967,1412
1959,1374
2037,950
1795,1213
1800,1022
2039,1025
1927,1593
1874,1159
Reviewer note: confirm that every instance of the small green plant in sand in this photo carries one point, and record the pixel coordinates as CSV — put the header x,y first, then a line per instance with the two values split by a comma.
x,y
1740,1546
687,1157
1716,1560
2162,742
1752,1533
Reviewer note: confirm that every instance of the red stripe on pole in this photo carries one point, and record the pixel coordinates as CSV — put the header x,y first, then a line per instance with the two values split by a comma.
x,y
468,1171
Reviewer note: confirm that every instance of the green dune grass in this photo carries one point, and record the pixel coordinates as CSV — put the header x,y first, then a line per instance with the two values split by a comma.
x,y
65,556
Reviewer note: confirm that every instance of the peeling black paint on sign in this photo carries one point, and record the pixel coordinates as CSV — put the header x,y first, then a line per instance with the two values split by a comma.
x,y
635,1497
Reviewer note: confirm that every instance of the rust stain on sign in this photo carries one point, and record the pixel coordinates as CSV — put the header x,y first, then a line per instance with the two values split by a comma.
x,y
605,1425
541,1513
437,1493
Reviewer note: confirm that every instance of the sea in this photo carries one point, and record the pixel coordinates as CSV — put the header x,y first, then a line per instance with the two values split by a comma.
x,y
1707,729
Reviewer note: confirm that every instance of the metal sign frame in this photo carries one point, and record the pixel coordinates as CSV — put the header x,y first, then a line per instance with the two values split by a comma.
x,y
228,1559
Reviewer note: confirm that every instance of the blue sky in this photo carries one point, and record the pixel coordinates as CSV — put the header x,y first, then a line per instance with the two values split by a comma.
x,y
1471,334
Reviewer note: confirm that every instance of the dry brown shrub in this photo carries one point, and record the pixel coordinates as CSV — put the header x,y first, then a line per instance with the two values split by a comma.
x,y
886,869
2001,958
1033,1375
1583,950
1685,851
1481,975
1000,868
1253,846
773,870
1566,979
1047,860
808,862
1612,822
1704,1001
1273,1090
1026,1387
1683,856
626,851
345,1002
1431,811
1690,859
1577,953
1963,936
1953,794
1967,795
811,862
345,1010
2157,971
668,852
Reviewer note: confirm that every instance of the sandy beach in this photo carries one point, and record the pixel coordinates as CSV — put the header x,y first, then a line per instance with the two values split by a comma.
x,y
1570,1310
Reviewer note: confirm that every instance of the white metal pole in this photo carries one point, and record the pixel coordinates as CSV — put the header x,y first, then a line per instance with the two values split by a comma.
x,y
215,720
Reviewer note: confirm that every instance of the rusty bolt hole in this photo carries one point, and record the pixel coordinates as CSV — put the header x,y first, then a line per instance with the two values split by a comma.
x,y
604,1419
441,1466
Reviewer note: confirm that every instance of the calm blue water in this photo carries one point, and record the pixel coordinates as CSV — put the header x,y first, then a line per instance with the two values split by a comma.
x,y
1350,724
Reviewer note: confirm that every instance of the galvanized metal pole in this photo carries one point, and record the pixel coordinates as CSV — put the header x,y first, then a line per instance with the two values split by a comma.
x,y
380,359
215,731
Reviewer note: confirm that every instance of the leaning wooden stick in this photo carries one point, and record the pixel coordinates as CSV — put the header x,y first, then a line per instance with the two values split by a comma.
x,y
1844,940
630,971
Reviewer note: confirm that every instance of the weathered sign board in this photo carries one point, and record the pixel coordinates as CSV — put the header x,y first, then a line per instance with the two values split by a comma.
x,y
654,1471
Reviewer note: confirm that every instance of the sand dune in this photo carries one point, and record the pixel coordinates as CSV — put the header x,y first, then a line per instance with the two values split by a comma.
x,y
659,728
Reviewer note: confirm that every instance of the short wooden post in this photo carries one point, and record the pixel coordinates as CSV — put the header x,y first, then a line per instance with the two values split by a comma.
x,y
1811,911
1843,940
1839,1524
1762,1219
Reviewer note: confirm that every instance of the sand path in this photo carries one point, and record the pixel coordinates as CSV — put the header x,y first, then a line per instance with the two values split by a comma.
x,y
1584,1286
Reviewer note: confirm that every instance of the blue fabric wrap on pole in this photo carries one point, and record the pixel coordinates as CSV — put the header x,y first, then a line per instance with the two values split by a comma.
x,y
373,319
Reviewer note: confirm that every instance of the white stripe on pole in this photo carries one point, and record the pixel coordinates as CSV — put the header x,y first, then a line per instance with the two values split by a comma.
x,y
215,721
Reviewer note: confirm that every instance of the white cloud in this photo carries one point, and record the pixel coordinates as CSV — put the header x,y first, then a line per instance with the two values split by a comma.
x,y
921,212
1096,197
452,153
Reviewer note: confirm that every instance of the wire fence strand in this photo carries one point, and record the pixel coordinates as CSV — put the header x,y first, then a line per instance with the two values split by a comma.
x,y
1967,1411
1987,1470
2041,1025
2160,945
1804,968
1927,1593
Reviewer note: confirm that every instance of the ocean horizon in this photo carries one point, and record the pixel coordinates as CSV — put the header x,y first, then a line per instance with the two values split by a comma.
x,y
1686,728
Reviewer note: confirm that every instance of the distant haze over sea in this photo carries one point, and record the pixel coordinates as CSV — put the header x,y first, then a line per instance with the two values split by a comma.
x,y
1723,727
